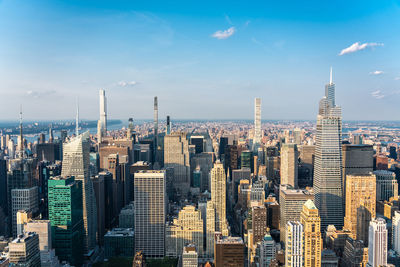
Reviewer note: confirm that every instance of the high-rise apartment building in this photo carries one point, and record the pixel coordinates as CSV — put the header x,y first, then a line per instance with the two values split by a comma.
x,y
103,112
386,185
294,244
24,250
176,156
155,129
291,205
257,123
311,222
289,162
65,215
150,212
377,243
328,161
76,162
360,204
229,252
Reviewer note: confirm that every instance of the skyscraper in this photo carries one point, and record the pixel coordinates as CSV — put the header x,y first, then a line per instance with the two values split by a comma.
x,y
103,112
267,250
294,242
257,123
289,164
187,229
150,212
24,250
155,128
229,252
386,185
360,204
377,243
218,197
65,215
328,161
291,205
176,155
76,162
23,199
396,232
311,222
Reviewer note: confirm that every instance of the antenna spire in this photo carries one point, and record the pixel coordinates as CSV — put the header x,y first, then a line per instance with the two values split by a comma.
x,y
77,117
330,80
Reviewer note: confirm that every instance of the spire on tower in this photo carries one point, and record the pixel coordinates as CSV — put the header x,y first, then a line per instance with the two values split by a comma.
x,y
330,80
77,118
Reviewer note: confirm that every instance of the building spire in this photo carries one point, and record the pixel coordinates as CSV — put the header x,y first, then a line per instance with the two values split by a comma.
x,y
330,80
77,118
21,136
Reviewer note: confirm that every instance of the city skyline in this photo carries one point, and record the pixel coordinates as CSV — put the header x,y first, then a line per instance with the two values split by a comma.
x,y
280,53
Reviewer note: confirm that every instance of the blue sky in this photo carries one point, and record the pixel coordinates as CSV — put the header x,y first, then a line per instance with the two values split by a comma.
x,y
203,59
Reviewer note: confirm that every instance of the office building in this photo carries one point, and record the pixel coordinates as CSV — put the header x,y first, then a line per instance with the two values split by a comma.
x,y
65,215
329,258
24,250
210,229
267,250
229,252
186,229
259,223
126,217
76,162
294,244
396,232
26,200
328,161
355,253
218,197
176,156
386,185
291,205
119,242
289,165
311,222
189,256
377,243
150,212
357,159
360,204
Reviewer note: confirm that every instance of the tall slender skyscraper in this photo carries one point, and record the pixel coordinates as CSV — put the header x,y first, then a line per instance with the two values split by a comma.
x,y
76,161
294,242
310,220
328,161
257,122
218,197
168,130
103,111
155,127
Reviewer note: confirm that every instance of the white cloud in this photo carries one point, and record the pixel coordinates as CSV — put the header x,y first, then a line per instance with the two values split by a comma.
x,y
126,84
397,78
377,94
224,34
39,94
377,72
358,47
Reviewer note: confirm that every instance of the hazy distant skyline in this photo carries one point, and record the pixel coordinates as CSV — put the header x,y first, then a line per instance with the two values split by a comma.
x,y
204,60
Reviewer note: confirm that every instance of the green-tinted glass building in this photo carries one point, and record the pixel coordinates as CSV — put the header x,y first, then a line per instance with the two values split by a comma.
x,y
246,160
65,215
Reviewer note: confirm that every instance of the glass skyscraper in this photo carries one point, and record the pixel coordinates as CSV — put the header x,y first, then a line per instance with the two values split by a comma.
x,y
328,161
